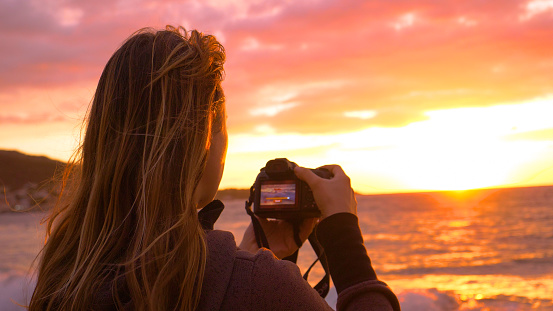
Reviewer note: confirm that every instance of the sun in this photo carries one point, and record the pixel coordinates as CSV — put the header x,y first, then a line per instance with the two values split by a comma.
x,y
454,149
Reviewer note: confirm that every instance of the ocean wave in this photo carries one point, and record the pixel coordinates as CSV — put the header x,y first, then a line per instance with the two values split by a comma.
x,y
15,290
435,300
527,267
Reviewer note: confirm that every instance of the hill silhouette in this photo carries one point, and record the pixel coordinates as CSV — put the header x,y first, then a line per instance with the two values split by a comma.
x,y
232,193
17,169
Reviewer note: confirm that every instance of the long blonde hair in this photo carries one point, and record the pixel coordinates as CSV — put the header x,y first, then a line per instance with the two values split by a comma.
x,y
126,218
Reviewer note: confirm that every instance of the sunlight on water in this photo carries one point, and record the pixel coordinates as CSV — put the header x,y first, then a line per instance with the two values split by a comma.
x,y
482,286
475,250
467,290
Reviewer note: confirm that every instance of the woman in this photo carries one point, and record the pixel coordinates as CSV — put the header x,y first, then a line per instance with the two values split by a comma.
x,y
126,233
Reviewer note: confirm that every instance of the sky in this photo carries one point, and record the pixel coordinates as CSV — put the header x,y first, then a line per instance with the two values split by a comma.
x,y
404,95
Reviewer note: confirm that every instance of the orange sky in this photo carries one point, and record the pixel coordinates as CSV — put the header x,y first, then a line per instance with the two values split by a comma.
x,y
405,95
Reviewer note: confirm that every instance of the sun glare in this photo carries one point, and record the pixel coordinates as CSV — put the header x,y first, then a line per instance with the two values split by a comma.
x,y
454,149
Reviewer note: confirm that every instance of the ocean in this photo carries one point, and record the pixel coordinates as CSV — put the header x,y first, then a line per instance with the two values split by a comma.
x,y
464,250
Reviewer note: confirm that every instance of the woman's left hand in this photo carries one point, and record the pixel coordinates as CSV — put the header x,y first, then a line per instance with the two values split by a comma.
x,y
280,235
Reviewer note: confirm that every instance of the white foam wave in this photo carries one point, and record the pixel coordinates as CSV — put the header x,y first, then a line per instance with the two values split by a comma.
x,y
435,300
15,290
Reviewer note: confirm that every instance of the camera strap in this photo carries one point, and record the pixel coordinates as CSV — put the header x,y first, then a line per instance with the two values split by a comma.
x,y
259,233
324,284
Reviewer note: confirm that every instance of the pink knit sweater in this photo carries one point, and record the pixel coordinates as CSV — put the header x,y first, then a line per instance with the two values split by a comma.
x,y
238,280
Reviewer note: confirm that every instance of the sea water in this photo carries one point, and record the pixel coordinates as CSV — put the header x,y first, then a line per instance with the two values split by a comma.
x,y
471,250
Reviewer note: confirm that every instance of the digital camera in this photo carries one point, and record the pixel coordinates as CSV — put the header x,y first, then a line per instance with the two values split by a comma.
x,y
278,193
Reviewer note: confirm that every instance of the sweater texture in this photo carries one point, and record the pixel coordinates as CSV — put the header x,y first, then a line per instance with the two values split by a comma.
x,y
239,280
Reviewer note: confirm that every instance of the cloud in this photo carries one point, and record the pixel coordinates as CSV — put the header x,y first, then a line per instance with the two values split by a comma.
x,y
70,17
536,7
404,21
251,43
503,144
441,53
30,118
360,114
466,21
450,54
537,135
360,75
271,111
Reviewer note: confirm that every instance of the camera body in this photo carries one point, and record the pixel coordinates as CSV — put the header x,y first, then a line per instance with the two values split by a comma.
x,y
278,193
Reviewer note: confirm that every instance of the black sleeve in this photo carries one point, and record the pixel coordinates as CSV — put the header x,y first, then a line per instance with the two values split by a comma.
x,y
341,238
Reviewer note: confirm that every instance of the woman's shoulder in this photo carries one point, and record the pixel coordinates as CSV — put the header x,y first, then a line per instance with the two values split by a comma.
x,y
241,280
222,249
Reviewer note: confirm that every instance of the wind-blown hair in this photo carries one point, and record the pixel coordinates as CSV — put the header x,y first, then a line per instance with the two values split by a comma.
x,y
126,218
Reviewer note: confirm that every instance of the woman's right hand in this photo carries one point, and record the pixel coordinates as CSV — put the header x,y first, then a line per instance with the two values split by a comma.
x,y
333,195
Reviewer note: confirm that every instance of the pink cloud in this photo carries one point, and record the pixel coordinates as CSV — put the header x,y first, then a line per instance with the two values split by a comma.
x,y
293,44
30,119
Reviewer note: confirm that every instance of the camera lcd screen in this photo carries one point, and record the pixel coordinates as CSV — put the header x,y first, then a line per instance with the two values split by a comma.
x,y
275,194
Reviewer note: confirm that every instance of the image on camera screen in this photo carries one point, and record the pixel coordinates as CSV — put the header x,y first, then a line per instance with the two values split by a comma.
x,y
281,193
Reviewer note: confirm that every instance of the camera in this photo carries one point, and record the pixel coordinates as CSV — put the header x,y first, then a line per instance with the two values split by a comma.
x,y
278,193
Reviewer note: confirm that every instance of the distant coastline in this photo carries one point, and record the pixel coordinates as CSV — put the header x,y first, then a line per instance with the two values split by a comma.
x,y
28,183
232,193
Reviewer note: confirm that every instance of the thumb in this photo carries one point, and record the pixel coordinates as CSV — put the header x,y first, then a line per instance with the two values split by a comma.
x,y
306,175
